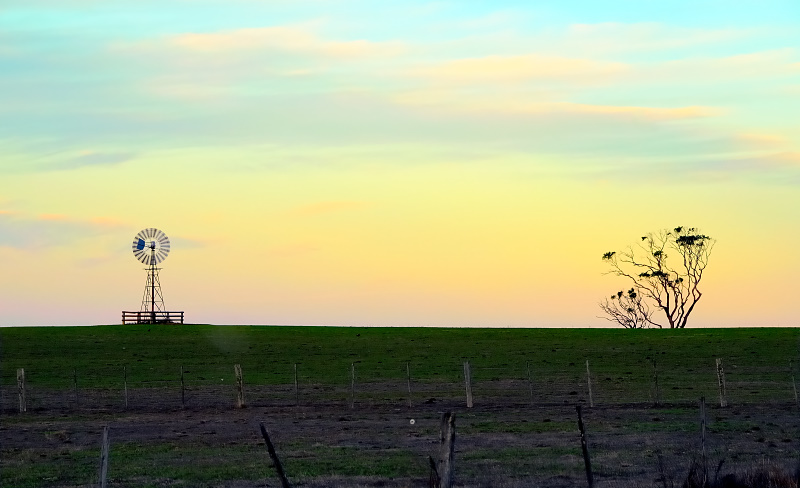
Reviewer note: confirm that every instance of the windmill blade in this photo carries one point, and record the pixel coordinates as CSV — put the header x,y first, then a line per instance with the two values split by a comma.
x,y
143,241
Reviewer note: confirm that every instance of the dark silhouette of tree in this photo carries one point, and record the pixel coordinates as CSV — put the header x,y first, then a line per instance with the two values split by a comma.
x,y
627,309
671,288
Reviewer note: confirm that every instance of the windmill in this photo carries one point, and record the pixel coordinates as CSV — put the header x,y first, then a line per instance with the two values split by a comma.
x,y
151,247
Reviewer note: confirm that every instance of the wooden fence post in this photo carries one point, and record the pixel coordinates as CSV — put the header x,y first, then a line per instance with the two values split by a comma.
x,y
23,401
104,451
589,383
723,401
447,440
585,449
183,390
408,380
125,383
703,439
657,392
237,369
794,388
434,480
352,385
296,387
468,383
530,381
274,456
75,386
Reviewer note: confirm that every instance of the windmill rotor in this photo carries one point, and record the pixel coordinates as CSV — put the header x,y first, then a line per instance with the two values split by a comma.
x,y
151,246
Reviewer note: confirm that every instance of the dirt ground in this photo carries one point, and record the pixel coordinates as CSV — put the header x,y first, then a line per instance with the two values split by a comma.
x,y
379,445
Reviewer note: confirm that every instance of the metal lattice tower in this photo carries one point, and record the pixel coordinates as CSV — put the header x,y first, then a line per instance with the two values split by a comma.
x,y
151,247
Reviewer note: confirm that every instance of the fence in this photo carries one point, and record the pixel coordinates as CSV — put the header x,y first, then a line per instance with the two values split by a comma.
x,y
156,317
197,386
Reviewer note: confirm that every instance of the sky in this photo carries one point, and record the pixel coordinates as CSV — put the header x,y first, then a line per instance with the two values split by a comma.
x,y
393,163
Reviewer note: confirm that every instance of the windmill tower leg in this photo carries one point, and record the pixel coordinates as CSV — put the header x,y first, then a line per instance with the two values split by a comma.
x,y
153,285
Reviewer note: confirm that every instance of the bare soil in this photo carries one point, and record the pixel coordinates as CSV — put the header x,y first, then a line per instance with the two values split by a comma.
x,y
322,445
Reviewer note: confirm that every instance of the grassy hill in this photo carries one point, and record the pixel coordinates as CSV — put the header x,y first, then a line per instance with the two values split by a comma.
x,y
267,354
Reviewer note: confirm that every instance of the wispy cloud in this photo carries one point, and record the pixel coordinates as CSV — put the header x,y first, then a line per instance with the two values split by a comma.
x,y
521,69
773,167
320,208
49,230
93,158
66,159
650,37
491,103
287,39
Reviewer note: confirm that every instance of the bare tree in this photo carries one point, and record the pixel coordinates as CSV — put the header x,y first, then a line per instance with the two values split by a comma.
x,y
672,288
628,310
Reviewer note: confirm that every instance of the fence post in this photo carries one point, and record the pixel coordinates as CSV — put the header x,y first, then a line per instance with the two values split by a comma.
x,y
23,401
352,385
723,401
530,381
75,386
104,451
296,387
657,392
237,369
408,379
468,383
183,390
125,383
589,383
585,449
274,456
703,438
794,388
447,440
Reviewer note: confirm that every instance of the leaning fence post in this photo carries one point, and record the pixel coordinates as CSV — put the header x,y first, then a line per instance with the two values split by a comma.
x,y
125,384
237,369
468,383
104,451
723,402
447,440
23,401
274,456
408,379
589,383
585,449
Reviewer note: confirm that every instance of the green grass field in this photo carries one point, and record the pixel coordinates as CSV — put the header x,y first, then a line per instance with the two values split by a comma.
x,y
326,352
619,358
325,443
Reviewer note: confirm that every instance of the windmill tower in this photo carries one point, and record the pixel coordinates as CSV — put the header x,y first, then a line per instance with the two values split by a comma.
x,y
151,247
